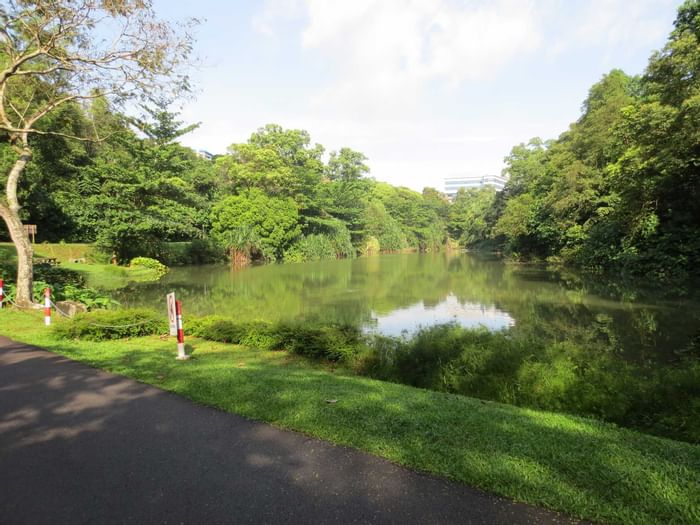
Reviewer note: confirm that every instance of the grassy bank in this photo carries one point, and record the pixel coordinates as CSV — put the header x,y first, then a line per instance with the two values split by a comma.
x,y
100,276
586,468
170,253
60,252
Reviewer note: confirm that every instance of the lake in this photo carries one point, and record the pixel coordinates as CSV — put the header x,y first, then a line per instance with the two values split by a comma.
x,y
550,339
393,294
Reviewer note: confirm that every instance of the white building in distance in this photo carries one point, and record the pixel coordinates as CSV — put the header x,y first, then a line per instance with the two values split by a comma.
x,y
204,154
454,184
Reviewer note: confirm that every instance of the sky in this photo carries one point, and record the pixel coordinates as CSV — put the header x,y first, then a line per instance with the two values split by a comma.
x,y
426,89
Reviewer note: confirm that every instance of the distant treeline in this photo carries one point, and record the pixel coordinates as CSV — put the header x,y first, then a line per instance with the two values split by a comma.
x,y
271,198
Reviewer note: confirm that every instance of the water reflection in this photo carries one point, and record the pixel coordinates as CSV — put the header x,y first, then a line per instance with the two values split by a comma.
x,y
451,310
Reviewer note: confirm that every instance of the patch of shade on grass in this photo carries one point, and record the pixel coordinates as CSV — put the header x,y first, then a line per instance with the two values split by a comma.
x,y
583,467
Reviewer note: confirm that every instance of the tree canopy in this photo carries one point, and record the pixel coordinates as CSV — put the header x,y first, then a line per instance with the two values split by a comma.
x,y
55,54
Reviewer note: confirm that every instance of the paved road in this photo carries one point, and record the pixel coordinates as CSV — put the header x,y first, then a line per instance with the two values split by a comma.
x,y
78,445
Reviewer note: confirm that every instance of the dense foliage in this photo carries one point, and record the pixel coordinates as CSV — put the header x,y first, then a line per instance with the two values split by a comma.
x,y
271,198
586,377
334,342
620,189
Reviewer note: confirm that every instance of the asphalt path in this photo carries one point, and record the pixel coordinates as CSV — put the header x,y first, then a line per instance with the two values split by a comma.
x,y
79,445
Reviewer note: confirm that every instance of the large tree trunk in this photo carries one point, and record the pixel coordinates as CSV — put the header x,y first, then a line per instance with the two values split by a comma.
x,y
10,214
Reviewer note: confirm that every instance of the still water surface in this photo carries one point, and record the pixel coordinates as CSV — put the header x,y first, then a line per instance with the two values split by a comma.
x,y
395,294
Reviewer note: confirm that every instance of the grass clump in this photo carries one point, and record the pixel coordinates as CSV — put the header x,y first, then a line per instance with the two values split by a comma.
x,y
256,334
335,342
101,325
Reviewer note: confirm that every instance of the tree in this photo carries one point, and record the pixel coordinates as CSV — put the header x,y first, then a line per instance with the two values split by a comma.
x,y
344,193
270,224
54,53
421,224
656,179
160,124
468,215
280,162
143,199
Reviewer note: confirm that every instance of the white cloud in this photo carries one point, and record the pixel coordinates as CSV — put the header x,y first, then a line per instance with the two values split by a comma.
x,y
384,54
265,22
616,26
621,22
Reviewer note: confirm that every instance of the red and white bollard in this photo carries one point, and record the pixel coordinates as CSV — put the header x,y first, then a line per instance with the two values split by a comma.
x,y
180,332
47,306
2,293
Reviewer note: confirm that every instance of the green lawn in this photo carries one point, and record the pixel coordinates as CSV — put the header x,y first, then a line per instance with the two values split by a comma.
x,y
61,252
586,468
102,276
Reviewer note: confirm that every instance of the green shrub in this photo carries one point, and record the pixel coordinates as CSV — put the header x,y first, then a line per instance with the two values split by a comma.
x,y
100,325
223,330
90,297
334,342
451,358
312,247
151,264
261,336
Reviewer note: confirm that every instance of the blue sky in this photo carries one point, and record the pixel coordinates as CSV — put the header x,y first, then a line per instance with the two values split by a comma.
x,y
425,88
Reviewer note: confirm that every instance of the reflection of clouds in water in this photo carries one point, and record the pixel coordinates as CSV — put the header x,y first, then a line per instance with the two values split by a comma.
x,y
448,311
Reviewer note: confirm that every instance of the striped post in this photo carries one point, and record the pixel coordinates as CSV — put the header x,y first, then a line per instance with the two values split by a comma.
x,y
180,332
47,306
2,293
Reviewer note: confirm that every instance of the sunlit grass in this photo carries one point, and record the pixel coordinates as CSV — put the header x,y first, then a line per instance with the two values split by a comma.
x,y
586,468
102,276
61,252
109,276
